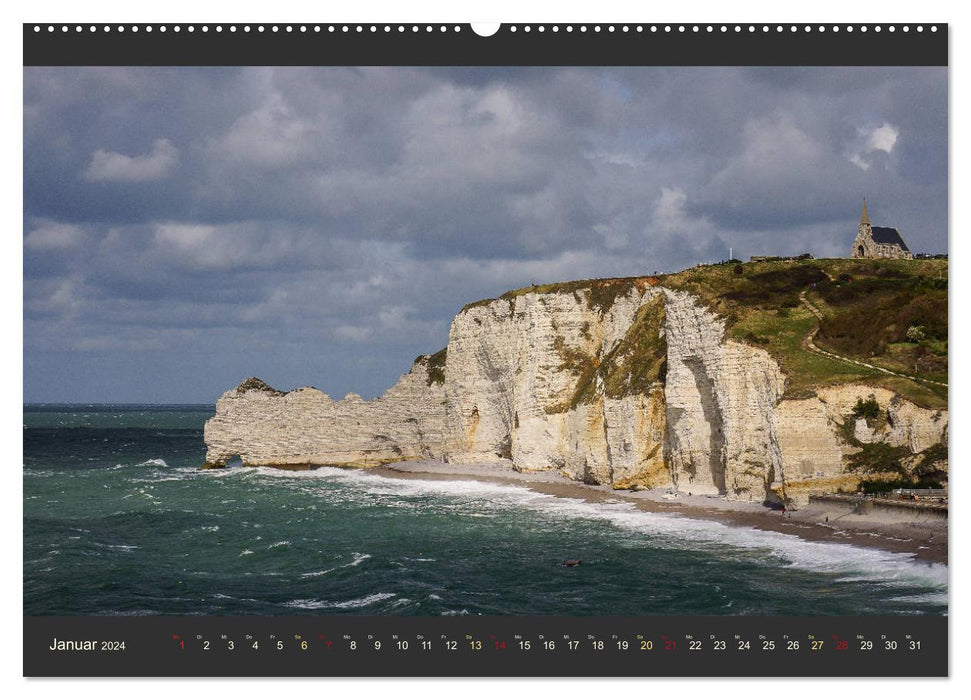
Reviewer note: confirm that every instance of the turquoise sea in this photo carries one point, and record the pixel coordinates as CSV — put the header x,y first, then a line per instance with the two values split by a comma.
x,y
119,520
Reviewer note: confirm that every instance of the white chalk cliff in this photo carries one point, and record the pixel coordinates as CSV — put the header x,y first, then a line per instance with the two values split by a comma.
x,y
638,388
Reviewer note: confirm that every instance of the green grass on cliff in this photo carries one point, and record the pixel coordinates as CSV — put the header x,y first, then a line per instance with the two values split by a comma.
x,y
436,366
782,337
884,464
868,306
631,367
895,317
599,295
640,359
889,313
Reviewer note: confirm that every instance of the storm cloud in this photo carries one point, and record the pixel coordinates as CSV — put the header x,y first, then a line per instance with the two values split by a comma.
x,y
189,227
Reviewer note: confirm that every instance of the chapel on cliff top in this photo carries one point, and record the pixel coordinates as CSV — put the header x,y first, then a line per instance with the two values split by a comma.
x,y
878,241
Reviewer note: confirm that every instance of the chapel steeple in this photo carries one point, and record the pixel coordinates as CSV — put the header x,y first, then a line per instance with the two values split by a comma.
x,y
864,217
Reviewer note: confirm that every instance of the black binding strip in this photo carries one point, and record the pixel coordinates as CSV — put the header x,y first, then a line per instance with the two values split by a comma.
x,y
513,45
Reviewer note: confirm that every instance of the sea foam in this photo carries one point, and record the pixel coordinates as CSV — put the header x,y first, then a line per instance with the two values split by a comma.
x,y
152,463
661,530
311,604
358,558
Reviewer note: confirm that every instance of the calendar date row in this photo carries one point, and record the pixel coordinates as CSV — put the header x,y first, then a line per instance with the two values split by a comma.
x,y
491,643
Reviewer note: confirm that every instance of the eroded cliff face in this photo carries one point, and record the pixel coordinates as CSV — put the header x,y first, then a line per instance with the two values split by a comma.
x,y
622,384
527,379
814,447
721,397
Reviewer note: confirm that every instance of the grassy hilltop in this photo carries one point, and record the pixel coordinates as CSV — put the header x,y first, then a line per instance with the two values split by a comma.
x,y
887,313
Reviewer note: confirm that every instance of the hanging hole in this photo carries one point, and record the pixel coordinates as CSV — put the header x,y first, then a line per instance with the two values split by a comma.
x,y
485,28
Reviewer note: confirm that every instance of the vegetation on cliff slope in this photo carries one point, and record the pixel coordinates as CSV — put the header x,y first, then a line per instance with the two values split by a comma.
x,y
868,308
581,365
599,295
883,466
640,359
435,365
633,366
888,313
257,384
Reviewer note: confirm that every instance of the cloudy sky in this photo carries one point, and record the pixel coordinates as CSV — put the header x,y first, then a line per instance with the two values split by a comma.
x,y
187,228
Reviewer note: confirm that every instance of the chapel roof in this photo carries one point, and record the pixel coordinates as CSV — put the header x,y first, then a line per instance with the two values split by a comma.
x,y
888,236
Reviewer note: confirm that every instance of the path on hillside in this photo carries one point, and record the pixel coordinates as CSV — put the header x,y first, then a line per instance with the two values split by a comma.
x,y
809,345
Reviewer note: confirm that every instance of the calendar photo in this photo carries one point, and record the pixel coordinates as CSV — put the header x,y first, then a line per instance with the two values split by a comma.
x,y
506,341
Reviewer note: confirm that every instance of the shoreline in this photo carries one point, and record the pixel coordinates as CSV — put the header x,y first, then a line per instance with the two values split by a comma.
x,y
927,541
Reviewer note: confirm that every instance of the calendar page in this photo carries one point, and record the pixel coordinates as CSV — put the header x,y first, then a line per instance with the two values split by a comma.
x,y
463,350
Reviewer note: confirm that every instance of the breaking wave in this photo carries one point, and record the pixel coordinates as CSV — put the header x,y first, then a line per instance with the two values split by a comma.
x,y
310,604
660,530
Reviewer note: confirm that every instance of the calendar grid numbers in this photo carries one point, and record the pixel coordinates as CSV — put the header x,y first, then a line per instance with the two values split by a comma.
x,y
347,646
